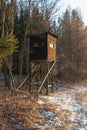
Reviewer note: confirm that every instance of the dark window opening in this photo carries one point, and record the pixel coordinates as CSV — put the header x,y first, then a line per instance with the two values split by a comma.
x,y
39,44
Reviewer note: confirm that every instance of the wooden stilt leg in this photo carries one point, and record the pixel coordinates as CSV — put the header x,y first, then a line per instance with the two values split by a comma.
x,y
30,80
52,80
47,83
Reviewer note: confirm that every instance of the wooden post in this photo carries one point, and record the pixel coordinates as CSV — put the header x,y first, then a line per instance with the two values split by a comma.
x,y
47,91
30,87
40,76
52,78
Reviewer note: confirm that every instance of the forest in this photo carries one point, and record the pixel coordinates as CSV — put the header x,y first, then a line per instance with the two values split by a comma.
x,y
18,19
21,18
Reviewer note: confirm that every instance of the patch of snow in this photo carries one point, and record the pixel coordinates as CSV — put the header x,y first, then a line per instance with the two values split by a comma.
x,y
66,100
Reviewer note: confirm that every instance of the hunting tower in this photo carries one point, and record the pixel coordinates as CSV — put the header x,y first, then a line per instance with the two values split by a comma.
x,y
43,47
42,53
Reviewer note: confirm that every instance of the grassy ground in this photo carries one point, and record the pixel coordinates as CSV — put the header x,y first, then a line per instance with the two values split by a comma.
x,y
23,112
17,112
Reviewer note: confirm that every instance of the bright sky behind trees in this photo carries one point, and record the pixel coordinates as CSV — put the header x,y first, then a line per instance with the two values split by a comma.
x,y
74,4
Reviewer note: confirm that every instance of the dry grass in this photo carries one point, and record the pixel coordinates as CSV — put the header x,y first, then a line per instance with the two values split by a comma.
x,y
17,112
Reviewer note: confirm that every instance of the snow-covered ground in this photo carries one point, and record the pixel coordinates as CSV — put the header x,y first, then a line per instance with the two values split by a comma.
x,y
68,108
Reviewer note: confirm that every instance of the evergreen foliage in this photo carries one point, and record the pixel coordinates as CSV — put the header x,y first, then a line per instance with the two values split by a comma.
x,y
72,39
8,45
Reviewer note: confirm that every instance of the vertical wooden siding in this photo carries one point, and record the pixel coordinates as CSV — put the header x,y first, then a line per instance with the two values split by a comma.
x,y
51,47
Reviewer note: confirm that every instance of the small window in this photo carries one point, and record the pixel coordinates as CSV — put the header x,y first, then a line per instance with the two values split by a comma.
x,y
51,45
39,44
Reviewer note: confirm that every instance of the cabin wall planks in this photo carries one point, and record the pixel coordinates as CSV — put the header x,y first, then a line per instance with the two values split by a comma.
x,y
51,48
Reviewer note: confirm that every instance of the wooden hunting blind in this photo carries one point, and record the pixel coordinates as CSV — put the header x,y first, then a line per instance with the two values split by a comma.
x,y
43,47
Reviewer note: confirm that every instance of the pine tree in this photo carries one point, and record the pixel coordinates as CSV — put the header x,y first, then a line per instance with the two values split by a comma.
x,y
78,37
72,37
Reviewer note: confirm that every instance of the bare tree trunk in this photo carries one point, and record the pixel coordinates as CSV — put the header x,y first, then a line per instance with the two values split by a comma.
x,y
9,26
13,12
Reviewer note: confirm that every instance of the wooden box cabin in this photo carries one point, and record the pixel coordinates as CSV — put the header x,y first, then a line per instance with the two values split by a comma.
x,y
43,47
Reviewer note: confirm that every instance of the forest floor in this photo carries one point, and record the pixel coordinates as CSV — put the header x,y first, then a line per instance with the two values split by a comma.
x,y
64,109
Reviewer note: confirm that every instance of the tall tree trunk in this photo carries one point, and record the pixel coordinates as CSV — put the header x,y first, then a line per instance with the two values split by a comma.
x,y
4,67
